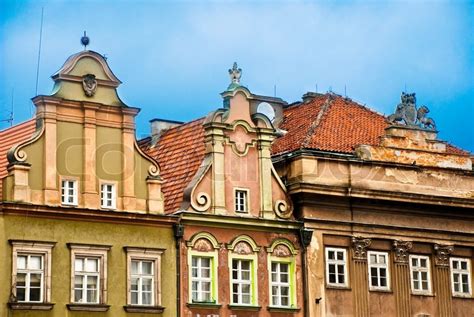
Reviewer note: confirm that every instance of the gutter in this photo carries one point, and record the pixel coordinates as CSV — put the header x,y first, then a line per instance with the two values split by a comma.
x,y
178,234
305,239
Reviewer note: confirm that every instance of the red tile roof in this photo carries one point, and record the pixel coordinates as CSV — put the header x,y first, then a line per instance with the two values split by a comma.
x,y
10,137
179,152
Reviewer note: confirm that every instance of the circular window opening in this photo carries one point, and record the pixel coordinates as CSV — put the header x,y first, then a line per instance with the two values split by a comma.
x,y
266,109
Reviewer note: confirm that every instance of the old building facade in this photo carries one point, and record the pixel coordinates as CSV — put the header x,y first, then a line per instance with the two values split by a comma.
x,y
261,208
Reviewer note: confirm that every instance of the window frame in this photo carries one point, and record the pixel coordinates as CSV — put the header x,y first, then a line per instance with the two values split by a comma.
x,y
290,284
43,249
75,196
336,262
114,195
379,266
246,200
145,254
90,251
417,269
253,278
461,271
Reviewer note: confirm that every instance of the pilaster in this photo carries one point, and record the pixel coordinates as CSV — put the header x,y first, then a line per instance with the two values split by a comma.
x,y
442,280
360,282
47,111
401,277
128,161
20,190
90,194
265,170
155,203
215,139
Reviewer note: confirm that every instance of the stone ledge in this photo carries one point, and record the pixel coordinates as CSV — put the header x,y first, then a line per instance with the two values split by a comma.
x,y
204,305
274,309
143,309
244,307
30,306
88,307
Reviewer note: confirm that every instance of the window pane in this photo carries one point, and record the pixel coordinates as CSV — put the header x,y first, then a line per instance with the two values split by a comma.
x,y
35,294
464,265
35,263
91,265
373,258
78,281
340,255
246,275
134,298
374,281
78,296
146,298
245,299
284,278
423,263
20,294
35,280
205,272
147,267
21,279
205,262
92,282
21,262
331,255
91,296
382,259
135,267
134,284
147,284
246,289
245,265
455,264
332,278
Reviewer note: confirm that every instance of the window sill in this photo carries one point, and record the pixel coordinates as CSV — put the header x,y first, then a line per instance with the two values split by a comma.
x,y
244,307
423,294
341,287
30,306
204,305
377,290
275,309
143,309
88,307
463,296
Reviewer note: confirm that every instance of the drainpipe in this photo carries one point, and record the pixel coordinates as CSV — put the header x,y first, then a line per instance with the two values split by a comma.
x,y
178,235
305,238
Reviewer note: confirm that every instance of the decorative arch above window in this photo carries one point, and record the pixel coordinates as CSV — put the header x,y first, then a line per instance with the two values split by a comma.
x,y
203,241
243,245
282,248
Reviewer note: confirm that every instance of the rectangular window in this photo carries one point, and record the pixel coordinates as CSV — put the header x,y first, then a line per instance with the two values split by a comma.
x,y
29,277
336,267
88,274
69,192
107,196
241,203
420,274
241,282
31,271
460,276
201,279
86,280
280,284
142,280
379,277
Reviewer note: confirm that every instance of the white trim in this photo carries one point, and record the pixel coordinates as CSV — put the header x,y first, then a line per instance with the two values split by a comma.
x,y
245,203
113,192
279,285
419,270
66,195
461,272
337,263
379,267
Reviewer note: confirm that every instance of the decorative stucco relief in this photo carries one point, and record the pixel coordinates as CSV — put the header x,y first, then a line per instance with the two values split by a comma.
x,y
359,247
401,249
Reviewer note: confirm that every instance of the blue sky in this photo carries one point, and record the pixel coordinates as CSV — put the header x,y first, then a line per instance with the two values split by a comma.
x,y
172,57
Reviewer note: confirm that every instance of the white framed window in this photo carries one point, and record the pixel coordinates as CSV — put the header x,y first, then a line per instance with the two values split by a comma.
x,y
461,276
201,279
379,275
336,267
420,274
108,196
86,280
31,271
242,281
144,276
69,192
280,284
241,200
88,273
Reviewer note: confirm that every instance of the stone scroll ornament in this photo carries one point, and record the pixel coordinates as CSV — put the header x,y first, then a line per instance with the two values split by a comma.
x,y
359,246
89,84
401,249
411,116
442,254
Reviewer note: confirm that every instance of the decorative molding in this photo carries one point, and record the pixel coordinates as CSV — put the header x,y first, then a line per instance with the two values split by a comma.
x,y
88,307
16,154
241,242
442,253
203,235
359,247
401,249
282,248
89,85
30,306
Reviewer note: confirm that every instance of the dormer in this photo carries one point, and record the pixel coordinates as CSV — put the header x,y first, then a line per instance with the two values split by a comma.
x,y
84,152
236,177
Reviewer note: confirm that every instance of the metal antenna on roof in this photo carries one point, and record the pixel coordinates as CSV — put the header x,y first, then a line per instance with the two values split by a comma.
x,y
274,90
316,88
405,87
345,91
39,52
10,117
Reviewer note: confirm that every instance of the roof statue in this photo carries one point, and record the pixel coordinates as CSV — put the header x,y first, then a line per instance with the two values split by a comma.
x,y
235,73
408,113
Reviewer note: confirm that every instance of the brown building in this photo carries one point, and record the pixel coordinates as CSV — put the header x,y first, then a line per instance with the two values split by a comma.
x,y
391,208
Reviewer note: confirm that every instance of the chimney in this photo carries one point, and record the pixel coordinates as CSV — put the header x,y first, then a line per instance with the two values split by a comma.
x,y
309,96
158,126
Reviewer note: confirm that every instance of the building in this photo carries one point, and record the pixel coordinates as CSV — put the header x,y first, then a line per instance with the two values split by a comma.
x,y
261,208
82,214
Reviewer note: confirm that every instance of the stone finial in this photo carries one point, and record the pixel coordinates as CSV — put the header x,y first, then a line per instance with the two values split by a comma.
x,y
401,249
359,246
235,73
442,254
85,40
408,113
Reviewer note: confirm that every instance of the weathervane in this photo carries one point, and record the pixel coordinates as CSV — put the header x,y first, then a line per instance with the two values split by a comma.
x,y
85,40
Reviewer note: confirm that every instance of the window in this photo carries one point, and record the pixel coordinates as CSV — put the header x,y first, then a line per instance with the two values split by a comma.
x,y
201,279
241,203
88,274
420,274
379,277
336,267
69,192
460,276
86,280
280,284
241,282
107,196
144,282
31,274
